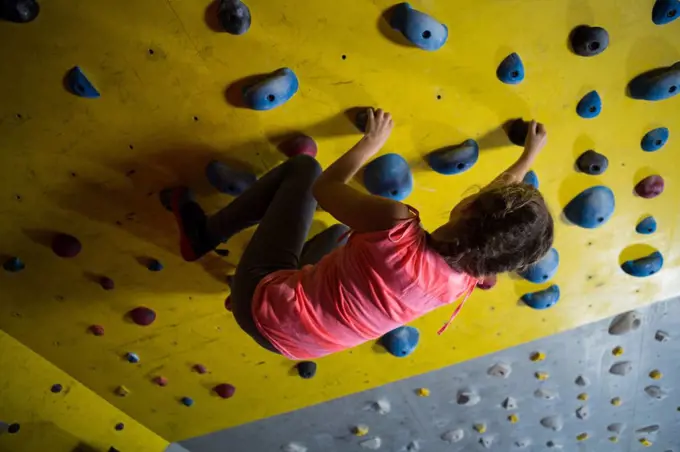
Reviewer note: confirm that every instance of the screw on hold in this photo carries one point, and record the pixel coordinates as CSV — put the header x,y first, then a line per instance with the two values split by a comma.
x,y
154,265
13,265
617,427
132,357
583,413
581,381
119,426
656,392
187,401
655,375
614,439
537,357
423,392
122,391
13,428
509,403
480,428
513,418
582,437
360,430
617,351
616,401
654,428
382,406
200,368
662,336
625,323
306,369
542,376
645,442
500,370
486,441
161,381
107,283
545,394
554,423
583,397
97,330
453,436
372,444
467,398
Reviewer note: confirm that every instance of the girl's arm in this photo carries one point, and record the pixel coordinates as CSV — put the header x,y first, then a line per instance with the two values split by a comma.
x,y
360,211
535,141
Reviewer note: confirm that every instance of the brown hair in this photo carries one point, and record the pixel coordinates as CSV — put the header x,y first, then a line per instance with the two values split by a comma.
x,y
505,227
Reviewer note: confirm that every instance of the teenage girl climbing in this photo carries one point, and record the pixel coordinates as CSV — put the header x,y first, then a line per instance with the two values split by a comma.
x,y
341,289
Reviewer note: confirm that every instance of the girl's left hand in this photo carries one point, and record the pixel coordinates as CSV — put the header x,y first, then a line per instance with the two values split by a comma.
x,y
379,126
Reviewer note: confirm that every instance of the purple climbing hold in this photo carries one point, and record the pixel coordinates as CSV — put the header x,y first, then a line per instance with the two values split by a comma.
x,y
97,330
650,187
487,282
225,390
66,246
56,388
143,316
107,283
13,265
200,368
119,426
227,303
300,144
19,11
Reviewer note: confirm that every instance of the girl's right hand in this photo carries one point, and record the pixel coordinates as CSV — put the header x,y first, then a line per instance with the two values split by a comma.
x,y
379,126
536,138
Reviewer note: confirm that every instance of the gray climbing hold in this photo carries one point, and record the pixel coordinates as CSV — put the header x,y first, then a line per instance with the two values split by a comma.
x,y
500,370
656,392
382,406
523,443
589,41
553,445
372,444
617,427
509,404
583,413
467,397
649,429
625,323
486,441
294,447
413,446
621,369
582,381
554,423
593,163
662,336
234,16
453,436
545,394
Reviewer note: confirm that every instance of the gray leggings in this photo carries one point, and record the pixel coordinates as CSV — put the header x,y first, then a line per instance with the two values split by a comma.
x,y
281,202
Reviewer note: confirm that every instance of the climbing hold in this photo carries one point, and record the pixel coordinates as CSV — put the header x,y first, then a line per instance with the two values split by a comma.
x,y
583,413
649,429
454,159
655,139
360,118
422,30
581,380
621,369
582,437
294,447
142,316
650,187
273,91
413,446
614,439
531,178
234,16
554,423
423,392
646,226
523,443
590,105
665,11
227,303
228,180
382,406
453,436
616,427
617,351
20,11
154,265
487,282
97,330
625,323
657,84
119,427
509,403
593,163
79,84
645,442
306,369
187,401
401,341
107,283
13,265
583,397
537,357
479,428
200,368
360,430
553,445
541,376
511,70
662,336
13,428
56,388
591,208
467,397
655,375
500,370
299,145
161,381
545,394
486,441
589,41
221,252
616,401
513,418
132,357
542,299
389,176
517,131
122,391
656,392
645,266
225,390
66,246
371,444
544,269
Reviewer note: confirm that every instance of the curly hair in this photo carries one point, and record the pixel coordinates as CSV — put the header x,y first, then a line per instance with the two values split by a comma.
x,y
506,227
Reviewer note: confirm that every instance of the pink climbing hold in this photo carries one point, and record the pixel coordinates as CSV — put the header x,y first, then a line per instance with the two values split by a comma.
x,y
300,144
650,187
66,246
225,390
227,304
161,381
107,283
200,368
487,282
142,316
97,330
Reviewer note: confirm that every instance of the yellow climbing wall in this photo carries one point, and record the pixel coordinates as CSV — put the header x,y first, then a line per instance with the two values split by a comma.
x,y
93,168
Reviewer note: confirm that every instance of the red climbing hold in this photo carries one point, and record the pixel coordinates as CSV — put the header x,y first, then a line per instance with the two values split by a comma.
x,y
142,316
650,187
225,390
107,283
161,381
301,144
486,283
97,330
227,304
65,245
200,368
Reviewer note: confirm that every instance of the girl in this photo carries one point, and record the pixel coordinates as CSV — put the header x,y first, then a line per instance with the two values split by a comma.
x,y
307,300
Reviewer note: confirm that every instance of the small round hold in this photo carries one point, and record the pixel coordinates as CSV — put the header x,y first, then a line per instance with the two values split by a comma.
x,y
537,356
122,391
66,246
143,316
582,437
107,283
616,401
19,11
225,390
655,375
517,131
531,178
617,351
200,368
97,330
13,428
187,401
541,376
589,41
306,369
132,357
487,282
161,381
227,304
154,265
582,397
56,388
646,226
423,392
119,426
590,106
511,70
593,163
301,144
650,187
13,265
513,418
360,430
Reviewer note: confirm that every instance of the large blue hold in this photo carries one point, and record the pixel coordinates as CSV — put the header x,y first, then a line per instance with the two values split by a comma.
x,y
590,106
646,226
665,11
422,30
228,180
655,139
511,70
79,85
454,159
544,269
389,176
275,90
591,208
657,84
542,299
531,178
402,341
645,266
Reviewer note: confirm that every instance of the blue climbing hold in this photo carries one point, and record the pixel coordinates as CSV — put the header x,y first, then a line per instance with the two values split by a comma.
x,y
389,176
655,139
665,11
646,226
543,299
591,208
154,265
593,163
657,84
13,265
531,178
645,266
275,90
228,180
454,159
79,85
511,70
544,269
402,341
590,106
422,30
132,357
187,401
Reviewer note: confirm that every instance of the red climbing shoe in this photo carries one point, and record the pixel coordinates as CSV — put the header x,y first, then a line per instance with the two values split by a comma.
x,y
195,241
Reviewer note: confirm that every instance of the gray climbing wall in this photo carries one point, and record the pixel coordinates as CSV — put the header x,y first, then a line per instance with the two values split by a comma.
x,y
583,390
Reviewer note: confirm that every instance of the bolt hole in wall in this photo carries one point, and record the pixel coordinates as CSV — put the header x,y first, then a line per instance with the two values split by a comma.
x,y
151,52
271,98
427,34
672,89
344,57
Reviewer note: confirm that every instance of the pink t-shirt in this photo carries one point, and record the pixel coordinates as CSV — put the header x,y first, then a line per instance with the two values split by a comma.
x,y
375,283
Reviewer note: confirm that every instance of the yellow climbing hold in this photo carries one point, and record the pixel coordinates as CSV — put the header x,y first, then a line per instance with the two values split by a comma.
x,y
360,430
655,375
480,428
122,391
583,396
513,418
583,437
645,442
616,401
614,439
618,351
542,376
537,356
423,392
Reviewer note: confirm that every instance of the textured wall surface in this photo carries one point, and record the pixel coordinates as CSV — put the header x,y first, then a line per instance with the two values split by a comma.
x,y
93,168
569,406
